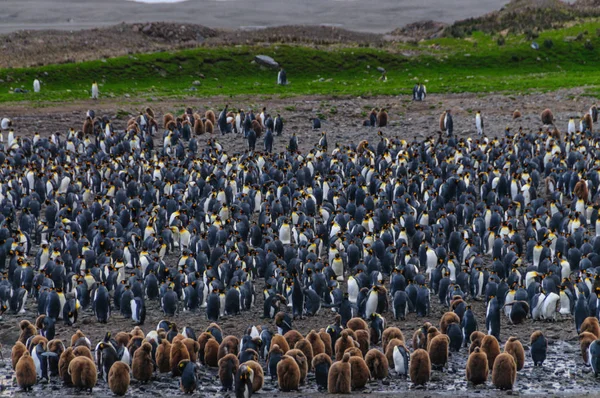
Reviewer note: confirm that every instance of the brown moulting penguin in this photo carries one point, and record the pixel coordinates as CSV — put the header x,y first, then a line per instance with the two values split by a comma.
x,y
163,356
591,325
83,351
419,338
477,367
357,324
389,334
327,341
360,372
210,115
377,363
432,332
178,353
83,373
538,347
193,348
516,114
142,365
504,372
342,344
17,352
318,346
420,367
63,366
491,348
438,351
288,374
25,372
321,364
209,127
475,339
362,339
340,377
354,352
447,319
27,330
281,342
118,378
228,366
202,340
585,340
547,116
514,347
382,118
292,337
300,359
304,346
229,345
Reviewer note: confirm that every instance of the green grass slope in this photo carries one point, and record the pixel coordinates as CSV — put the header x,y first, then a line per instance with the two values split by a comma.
x,y
567,57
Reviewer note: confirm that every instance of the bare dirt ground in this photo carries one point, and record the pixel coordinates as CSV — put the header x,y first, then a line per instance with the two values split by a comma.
x,y
563,372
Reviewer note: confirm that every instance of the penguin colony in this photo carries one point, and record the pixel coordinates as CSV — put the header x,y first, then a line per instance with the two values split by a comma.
x,y
368,231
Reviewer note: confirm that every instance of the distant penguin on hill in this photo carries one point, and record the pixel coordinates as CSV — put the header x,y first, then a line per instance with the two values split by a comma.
x,y
95,91
316,123
36,86
282,77
516,114
479,123
446,123
547,116
382,118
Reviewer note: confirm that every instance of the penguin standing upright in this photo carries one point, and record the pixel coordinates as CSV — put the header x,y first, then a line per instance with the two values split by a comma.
x,y
539,347
492,318
95,91
446,123
278,125
479,123
282,77
36,86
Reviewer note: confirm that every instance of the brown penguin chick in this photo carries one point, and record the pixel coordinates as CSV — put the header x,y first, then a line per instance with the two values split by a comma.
x,y
142,365
516,114
339,380
292,337
25,372
83,373
360,372
442,118
491,348
198,126
82,351
581,190
300,359
210,115
477,367
420,367
304,346
547,116
209,127
432,332
167,119
178,337
211,353
320,359
585,340
475,339
17,352
587,119
228,367
504,372
447,319
88,126
193,348
362,146
39,322
514,347
122,339
162,334
137,332
377,363
281,342
257,128
326,338
27,330
438,350
118,378
35,340
590,324
202,340
76,337
363,339
259,375
389,352
178,354
351,333
230,345
382,118
419,338
288,374
317,344
63,365
357,324
134,344
342,344
163,356
354,352
150,112
389,334
57,347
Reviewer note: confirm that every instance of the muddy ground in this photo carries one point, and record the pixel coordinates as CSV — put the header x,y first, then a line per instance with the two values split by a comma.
x,y
563,373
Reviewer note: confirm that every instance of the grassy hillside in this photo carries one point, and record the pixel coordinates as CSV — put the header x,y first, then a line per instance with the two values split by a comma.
x,y
481,62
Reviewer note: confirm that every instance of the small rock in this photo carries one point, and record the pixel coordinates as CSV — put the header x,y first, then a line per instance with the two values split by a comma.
x,y
196,83
127,96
